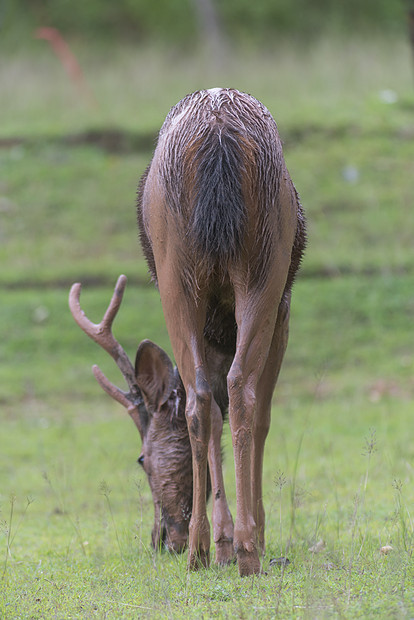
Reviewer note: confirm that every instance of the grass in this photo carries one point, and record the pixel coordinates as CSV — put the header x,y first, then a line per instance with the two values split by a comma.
x,y
72,552
75,510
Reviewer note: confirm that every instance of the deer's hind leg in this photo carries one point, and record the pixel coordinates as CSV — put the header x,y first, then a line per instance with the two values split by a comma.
x,y
265,390
185,318
256,317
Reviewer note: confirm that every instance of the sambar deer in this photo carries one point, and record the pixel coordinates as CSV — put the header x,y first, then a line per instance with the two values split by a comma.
x,y
223,233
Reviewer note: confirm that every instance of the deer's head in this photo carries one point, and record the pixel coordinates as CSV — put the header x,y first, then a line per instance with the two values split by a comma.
x,y
156,403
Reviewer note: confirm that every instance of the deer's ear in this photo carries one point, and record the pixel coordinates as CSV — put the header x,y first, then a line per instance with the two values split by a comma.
x,y
154,374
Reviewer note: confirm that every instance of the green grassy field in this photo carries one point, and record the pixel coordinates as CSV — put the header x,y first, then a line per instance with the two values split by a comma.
x,y
75,510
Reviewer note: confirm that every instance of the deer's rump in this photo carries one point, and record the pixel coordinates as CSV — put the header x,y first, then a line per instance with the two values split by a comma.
x,y
219,177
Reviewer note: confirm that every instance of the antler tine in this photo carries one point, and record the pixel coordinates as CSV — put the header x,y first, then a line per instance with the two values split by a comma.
x,y
101,332
121,397
114,392
115,302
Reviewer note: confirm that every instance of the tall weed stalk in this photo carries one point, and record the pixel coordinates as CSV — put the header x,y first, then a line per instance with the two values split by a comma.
x,y
106,491
73,522
404,519
8,528
359,503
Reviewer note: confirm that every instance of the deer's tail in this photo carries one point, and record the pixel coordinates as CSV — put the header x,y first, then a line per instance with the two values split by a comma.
x,y
221,161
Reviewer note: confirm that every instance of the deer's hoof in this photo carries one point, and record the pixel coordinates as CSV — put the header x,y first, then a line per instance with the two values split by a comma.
x,y
200,559
248,563
225,553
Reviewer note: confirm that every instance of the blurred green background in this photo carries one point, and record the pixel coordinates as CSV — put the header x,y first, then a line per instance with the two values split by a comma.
x,y
80,108
178,22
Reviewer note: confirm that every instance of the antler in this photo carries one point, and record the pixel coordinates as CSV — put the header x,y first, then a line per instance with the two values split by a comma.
x,y
101,333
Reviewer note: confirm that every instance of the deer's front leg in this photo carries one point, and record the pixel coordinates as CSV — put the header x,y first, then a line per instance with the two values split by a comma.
x,y
223,529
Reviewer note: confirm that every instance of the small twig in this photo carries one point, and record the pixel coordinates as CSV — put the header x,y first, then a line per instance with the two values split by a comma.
x,y
68,61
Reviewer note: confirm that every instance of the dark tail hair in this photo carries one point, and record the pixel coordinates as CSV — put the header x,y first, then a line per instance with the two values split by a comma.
x,y
219,212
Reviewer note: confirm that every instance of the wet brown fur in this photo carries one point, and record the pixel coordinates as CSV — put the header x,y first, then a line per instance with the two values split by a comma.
x,y
223,233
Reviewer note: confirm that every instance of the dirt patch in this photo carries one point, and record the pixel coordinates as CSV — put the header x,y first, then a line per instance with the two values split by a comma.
x,y
114,140
108,140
